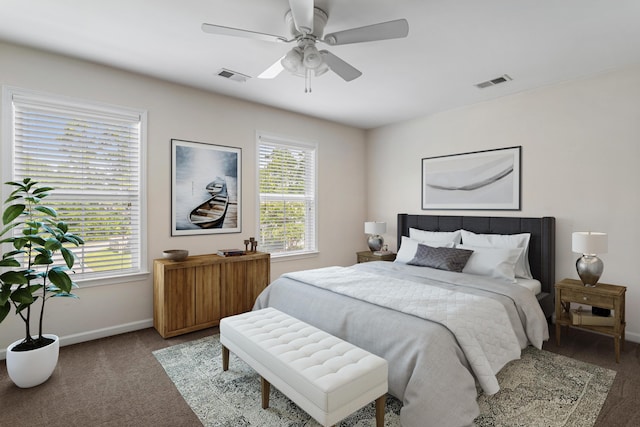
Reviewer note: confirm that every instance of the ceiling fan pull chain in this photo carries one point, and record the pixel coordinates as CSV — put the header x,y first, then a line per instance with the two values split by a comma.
x,y
307,81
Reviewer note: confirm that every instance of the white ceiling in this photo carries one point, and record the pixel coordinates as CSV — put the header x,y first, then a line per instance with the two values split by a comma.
x,y
452,45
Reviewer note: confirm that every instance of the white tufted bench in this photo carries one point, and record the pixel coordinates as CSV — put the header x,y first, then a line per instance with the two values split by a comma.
x,y
324,375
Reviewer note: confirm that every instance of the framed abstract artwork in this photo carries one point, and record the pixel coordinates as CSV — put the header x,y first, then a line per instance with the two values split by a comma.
x,y
205,188
482,180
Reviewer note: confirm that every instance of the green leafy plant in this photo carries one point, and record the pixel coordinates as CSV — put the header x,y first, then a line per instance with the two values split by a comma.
x,y
28,270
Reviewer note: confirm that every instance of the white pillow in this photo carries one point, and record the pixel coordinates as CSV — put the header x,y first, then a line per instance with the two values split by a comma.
x,y
493,262
523,269
409,247
435,236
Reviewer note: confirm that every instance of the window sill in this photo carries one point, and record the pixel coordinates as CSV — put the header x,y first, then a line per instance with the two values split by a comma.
x,y
293,257
112,280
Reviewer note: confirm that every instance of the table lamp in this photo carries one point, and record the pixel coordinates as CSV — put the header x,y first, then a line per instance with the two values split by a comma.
x,y
374,230
589,244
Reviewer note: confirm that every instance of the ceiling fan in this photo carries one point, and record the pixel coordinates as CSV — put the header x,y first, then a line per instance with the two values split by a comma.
x,y
306,24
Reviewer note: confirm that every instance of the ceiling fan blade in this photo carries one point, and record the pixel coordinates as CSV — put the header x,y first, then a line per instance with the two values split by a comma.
x,y
273,71
382,31
302,12
340,67
238,32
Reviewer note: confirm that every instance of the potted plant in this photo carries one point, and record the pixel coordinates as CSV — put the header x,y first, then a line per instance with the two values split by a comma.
x,y
29,274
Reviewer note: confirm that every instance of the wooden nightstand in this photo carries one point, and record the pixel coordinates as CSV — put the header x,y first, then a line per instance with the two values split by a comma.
x,y
602,295
366,256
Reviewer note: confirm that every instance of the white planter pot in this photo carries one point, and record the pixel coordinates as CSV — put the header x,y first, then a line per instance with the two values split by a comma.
x,y
31,368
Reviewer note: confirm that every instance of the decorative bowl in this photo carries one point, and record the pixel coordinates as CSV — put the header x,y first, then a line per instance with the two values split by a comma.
x,y
175,254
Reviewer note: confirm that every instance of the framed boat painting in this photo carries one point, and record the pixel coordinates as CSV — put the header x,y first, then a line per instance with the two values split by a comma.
x,y
481,180
205,188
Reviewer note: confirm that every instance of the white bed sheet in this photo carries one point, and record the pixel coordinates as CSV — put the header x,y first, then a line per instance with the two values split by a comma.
x,y
532,284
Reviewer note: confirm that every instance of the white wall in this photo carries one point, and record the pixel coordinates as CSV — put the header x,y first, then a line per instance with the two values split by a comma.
x,y
580,152
176,111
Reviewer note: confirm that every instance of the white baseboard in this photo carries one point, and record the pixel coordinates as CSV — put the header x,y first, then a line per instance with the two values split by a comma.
x,y
632,336
96,334
143,324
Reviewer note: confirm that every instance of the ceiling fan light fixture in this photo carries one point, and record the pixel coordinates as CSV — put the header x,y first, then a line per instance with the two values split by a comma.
x,y
312,58
292,61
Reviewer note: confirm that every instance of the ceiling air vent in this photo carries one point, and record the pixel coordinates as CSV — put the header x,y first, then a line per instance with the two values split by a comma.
x,y
232,75
502,79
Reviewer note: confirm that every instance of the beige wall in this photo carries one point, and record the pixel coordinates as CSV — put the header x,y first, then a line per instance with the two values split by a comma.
x,y
176,111
580,151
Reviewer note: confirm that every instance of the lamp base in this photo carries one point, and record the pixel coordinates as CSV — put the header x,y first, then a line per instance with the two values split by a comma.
x,y
589,269
375,242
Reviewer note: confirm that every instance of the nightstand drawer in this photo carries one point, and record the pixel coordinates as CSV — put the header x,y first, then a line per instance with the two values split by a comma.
x,y
582,298
367,256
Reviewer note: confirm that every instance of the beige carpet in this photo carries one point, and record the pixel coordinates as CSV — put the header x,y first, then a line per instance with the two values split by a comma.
x,y
540,389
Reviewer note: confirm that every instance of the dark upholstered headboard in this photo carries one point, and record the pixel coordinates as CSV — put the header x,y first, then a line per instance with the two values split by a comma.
x,y
542,244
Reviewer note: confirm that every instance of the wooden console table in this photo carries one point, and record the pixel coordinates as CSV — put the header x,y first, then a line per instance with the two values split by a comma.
x,y
197,292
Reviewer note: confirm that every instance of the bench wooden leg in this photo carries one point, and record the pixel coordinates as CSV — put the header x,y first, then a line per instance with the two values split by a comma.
x,y
266,389
380,404
225,358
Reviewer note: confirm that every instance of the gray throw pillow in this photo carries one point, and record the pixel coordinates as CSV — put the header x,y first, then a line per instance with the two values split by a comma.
x,y
450,259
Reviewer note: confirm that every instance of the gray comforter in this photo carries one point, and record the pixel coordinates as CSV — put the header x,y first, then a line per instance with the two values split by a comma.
x,y
428,370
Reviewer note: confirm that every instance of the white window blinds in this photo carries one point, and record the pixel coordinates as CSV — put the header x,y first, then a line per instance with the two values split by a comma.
x,y
287,192
92,156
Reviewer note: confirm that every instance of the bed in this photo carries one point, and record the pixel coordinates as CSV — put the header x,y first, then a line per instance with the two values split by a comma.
x,y
541,245
426,332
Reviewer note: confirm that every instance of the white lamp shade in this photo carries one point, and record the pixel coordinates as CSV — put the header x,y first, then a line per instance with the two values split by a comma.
x,y
589,242
372,227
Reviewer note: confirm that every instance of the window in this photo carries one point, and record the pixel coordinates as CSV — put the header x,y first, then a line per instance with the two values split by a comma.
x,y
92,155
287,192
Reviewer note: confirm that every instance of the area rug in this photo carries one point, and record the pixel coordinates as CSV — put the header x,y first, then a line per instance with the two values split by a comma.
x,y
540,389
